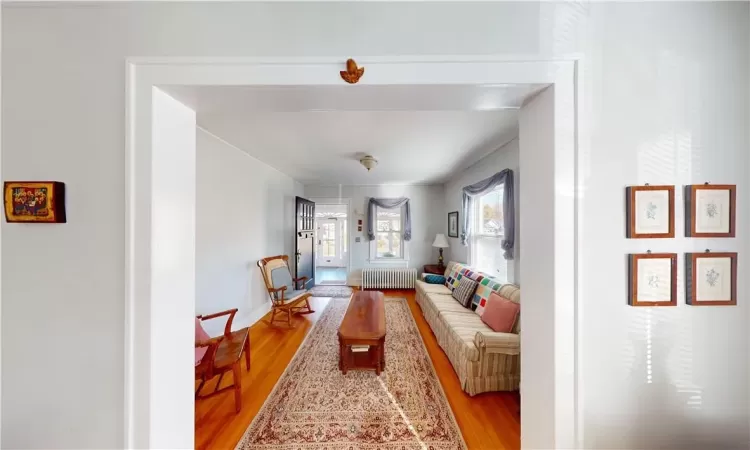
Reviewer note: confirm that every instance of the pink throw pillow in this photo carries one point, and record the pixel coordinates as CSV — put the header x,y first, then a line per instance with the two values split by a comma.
x,y
200,336
500,314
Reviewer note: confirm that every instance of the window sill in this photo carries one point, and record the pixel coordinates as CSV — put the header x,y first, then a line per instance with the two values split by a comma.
x,y
388,261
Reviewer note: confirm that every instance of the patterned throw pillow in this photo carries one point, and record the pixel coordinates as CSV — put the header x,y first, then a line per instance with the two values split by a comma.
x,y
434,279
465,291
454,276
486,286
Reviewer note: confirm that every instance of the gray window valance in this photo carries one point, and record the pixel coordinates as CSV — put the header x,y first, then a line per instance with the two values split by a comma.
x,y
388,203
505,178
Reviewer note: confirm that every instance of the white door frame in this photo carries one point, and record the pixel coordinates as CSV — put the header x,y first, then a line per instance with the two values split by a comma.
x,y
341,201
147,325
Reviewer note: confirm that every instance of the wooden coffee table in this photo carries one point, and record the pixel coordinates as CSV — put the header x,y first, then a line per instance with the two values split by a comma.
x,y
363,325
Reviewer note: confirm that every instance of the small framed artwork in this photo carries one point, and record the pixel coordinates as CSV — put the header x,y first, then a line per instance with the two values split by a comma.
x,y
650,212
453,224
710,210
711,279
653,279
35,201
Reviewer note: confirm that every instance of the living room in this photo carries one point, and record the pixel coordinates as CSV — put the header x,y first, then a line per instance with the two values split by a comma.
x,y
420,151
639,94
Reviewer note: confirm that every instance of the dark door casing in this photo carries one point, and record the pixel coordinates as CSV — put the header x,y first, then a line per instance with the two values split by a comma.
x,y
304,247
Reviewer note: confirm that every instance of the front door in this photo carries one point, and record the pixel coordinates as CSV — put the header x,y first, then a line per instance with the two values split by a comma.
x,y
305,241
328,243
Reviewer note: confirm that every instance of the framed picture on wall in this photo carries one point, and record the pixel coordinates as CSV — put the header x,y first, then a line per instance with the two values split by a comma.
x,y
453,224
711,279
650,212
710,210
35,201
652,279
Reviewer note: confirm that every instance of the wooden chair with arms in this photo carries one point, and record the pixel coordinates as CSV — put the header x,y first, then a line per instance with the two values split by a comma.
x,y
216,356
286,297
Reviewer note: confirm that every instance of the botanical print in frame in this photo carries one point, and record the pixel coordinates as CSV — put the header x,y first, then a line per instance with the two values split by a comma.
x,y
650,211
710,210
711,279
35,201
652,279
453,224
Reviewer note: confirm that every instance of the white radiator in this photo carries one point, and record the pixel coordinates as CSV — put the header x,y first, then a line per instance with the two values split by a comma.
x,y
389,278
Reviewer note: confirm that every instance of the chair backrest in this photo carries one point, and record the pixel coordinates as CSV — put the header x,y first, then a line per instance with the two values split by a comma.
x,y
276,273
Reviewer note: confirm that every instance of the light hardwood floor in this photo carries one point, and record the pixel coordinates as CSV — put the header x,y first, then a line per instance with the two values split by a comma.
x,y
487,421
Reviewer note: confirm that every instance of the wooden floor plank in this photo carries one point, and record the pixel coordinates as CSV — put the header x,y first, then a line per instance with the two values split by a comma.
x,y
487,421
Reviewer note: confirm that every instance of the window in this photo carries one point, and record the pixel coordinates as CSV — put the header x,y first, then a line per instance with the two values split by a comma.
x,y
487,234
388,234
389,238
328,239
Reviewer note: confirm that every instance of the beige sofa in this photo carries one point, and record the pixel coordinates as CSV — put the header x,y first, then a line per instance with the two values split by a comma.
x,y
484,360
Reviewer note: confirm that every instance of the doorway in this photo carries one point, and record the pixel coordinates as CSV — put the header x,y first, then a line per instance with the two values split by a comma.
x,y
332,239
160,175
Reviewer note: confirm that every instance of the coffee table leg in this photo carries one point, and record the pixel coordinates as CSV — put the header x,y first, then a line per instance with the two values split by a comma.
x,y
342,357
376,358
382,354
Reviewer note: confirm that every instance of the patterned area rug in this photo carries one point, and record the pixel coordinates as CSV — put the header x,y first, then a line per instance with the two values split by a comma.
x,y
331,291
315,406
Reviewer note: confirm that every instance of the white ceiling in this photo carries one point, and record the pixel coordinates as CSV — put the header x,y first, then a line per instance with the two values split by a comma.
x,y
419,134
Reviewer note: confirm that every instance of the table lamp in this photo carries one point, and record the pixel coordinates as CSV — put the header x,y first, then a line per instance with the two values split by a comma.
x,y
440,242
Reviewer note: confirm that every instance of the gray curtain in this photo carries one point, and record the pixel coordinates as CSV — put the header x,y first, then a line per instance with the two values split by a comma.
x,y
388,203
509,210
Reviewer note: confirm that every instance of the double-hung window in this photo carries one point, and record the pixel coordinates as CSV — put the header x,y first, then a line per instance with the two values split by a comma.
x,y
389,241
487,234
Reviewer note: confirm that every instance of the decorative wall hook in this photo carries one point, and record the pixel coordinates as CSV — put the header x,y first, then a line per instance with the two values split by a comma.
x,y
352,74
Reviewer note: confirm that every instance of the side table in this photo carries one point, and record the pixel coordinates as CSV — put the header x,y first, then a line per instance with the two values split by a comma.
x,y
434,268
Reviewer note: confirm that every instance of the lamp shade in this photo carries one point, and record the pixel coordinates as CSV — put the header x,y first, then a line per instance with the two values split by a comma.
x,y
440,241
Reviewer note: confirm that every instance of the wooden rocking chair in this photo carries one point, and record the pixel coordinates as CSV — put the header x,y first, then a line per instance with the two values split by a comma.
x,y
286,298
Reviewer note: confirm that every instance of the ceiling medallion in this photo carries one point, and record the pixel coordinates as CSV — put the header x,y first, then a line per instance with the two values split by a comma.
x,y
369,162
352,74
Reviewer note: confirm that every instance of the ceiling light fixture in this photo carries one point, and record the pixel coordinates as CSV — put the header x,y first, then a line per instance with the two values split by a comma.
x,y
369,162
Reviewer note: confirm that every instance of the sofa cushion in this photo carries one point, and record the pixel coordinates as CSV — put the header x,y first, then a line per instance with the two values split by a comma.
x,y
446,304
461,329
431,278
500,314
428,288
465,291
512,293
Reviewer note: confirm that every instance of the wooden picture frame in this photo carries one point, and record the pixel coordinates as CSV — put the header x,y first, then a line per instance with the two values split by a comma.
x,y
454,231
705,279
652,279
649,212
710,210
34,202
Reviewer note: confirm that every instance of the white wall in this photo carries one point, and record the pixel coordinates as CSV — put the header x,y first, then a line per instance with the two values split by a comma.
x,y
506,157
664,100
244,212
426,219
